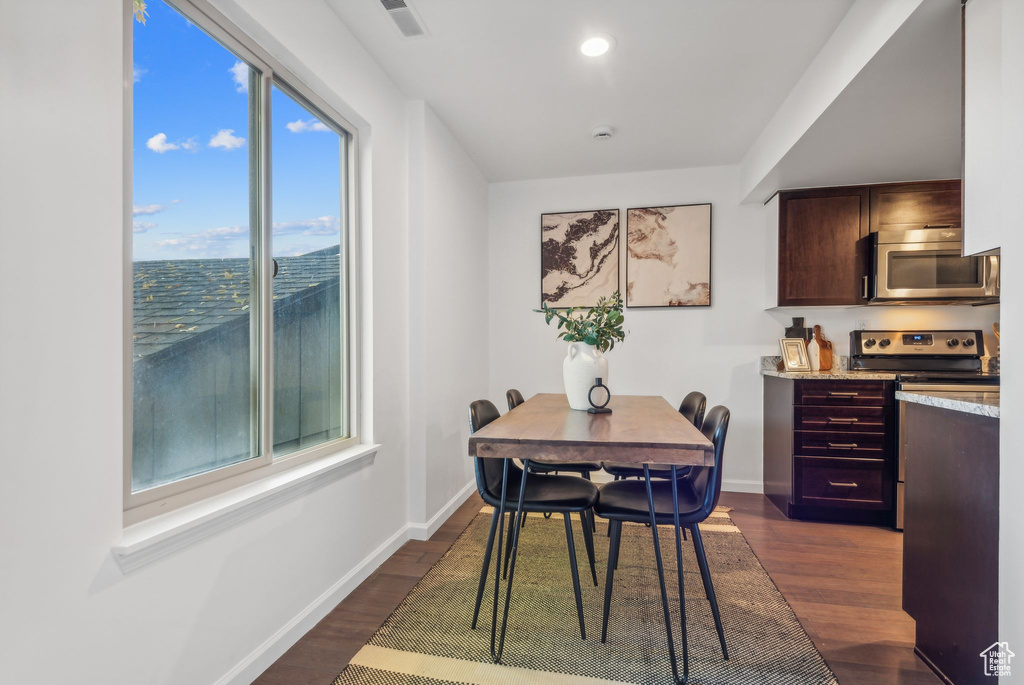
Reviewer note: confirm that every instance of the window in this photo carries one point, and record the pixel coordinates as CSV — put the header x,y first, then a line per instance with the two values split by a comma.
x,y
240,279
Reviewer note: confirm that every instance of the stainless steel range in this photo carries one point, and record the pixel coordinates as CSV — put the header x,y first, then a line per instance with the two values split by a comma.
x,y
940,361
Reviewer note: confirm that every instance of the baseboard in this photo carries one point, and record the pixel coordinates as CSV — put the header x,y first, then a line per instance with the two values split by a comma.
x,y
731,485
261,658
250,668
423,531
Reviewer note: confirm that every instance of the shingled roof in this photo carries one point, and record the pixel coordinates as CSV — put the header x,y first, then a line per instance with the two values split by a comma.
x,y
179,300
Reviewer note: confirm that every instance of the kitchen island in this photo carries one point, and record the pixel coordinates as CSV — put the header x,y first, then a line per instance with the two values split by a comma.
x,y
951,527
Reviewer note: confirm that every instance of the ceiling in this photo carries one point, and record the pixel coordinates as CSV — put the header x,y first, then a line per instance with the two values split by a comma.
x,y
898,119
689,83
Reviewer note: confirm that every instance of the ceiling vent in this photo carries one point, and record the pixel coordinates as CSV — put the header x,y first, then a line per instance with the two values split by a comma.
x,y
404,17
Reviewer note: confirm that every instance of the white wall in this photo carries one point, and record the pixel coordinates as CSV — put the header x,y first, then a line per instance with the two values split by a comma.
x,y
212,611
667,352
448,292
1011,428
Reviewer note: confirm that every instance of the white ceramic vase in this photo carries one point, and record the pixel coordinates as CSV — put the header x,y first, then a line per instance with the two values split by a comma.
x,y
582,366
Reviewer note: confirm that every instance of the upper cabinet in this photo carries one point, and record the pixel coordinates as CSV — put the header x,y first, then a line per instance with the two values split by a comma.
x,y
906,206
819,239
986,166
823,252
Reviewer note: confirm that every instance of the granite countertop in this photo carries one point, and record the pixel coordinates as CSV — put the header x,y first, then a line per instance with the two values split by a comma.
x,y
839,372
980,403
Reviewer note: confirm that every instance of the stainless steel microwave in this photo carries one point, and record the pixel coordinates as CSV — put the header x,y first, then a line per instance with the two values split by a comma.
x,y
926,265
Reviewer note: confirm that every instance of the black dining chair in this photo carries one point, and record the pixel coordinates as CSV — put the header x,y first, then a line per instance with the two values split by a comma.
x,y
498,481
694,498
692,408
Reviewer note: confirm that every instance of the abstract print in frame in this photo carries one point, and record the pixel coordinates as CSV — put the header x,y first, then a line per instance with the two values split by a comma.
x,y
668,256
579,260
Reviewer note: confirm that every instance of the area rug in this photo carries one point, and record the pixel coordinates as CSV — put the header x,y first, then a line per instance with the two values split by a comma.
x,y
428,639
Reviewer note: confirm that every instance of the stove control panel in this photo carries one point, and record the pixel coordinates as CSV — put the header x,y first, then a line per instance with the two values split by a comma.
x,y
915,343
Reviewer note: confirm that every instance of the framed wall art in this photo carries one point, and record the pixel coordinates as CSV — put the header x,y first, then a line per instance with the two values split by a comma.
x,y
579,257
668,256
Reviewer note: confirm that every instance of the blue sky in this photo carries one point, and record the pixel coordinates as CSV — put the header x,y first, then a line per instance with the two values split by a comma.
x,y
190,152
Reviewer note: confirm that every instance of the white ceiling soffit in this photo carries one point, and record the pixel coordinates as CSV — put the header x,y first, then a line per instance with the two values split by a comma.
x,y
688,84
898,119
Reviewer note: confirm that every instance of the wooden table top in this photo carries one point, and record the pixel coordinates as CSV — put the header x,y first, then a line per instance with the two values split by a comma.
x,y
641,429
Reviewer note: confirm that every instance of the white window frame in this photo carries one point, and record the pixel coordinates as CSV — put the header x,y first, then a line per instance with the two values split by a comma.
x,y
150,502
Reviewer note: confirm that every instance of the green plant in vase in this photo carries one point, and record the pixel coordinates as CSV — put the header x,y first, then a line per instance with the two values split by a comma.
x,y
590,333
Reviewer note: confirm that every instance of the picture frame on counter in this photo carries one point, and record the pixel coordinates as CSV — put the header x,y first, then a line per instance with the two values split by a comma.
x,y
794,354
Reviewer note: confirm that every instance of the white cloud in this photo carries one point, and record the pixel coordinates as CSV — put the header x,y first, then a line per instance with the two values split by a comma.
x,y
138,210
240,75
226,139
300,126
191,144
172,242
159,144
324,225
210,242
142,226
138,72
222,233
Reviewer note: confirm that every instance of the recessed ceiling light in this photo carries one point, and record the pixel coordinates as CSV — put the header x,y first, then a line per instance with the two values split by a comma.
x,y
597,45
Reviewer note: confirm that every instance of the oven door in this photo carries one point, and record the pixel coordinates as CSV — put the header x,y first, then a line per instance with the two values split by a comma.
x,y
933,271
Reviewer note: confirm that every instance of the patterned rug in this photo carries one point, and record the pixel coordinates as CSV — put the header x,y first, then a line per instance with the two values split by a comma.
x,y
428,640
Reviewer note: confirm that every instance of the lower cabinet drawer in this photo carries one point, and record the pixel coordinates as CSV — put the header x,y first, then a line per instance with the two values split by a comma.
x,y
844,419
848,483
836,444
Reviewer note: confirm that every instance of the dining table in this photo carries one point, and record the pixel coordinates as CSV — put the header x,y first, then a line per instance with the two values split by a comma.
x,y
640,430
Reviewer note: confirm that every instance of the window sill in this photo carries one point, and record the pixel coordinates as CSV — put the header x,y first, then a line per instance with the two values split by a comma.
x,y
155,538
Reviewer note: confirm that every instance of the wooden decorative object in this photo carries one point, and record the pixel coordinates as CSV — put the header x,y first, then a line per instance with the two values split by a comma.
x,y
826,349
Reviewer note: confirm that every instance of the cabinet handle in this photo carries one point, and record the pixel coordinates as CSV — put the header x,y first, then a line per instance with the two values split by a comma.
x,y
833,419
938,225
843,445
865,285
843,394
842,485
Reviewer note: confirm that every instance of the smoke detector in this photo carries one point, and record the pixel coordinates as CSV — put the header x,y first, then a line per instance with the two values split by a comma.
x,y
602,133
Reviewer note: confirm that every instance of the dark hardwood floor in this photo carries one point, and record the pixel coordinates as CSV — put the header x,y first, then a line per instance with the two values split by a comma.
x,y
843,582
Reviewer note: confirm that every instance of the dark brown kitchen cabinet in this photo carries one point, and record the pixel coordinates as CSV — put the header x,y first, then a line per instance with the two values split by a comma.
x,y
823,250
951,538
906,206
829,449
824,234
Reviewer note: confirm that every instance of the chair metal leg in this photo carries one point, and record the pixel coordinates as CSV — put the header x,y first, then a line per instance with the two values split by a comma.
x,y
661,577
497,566
593,519
483,571
575,574
615,545
508,550
709,588
496,655
679,571
615,530
588,540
